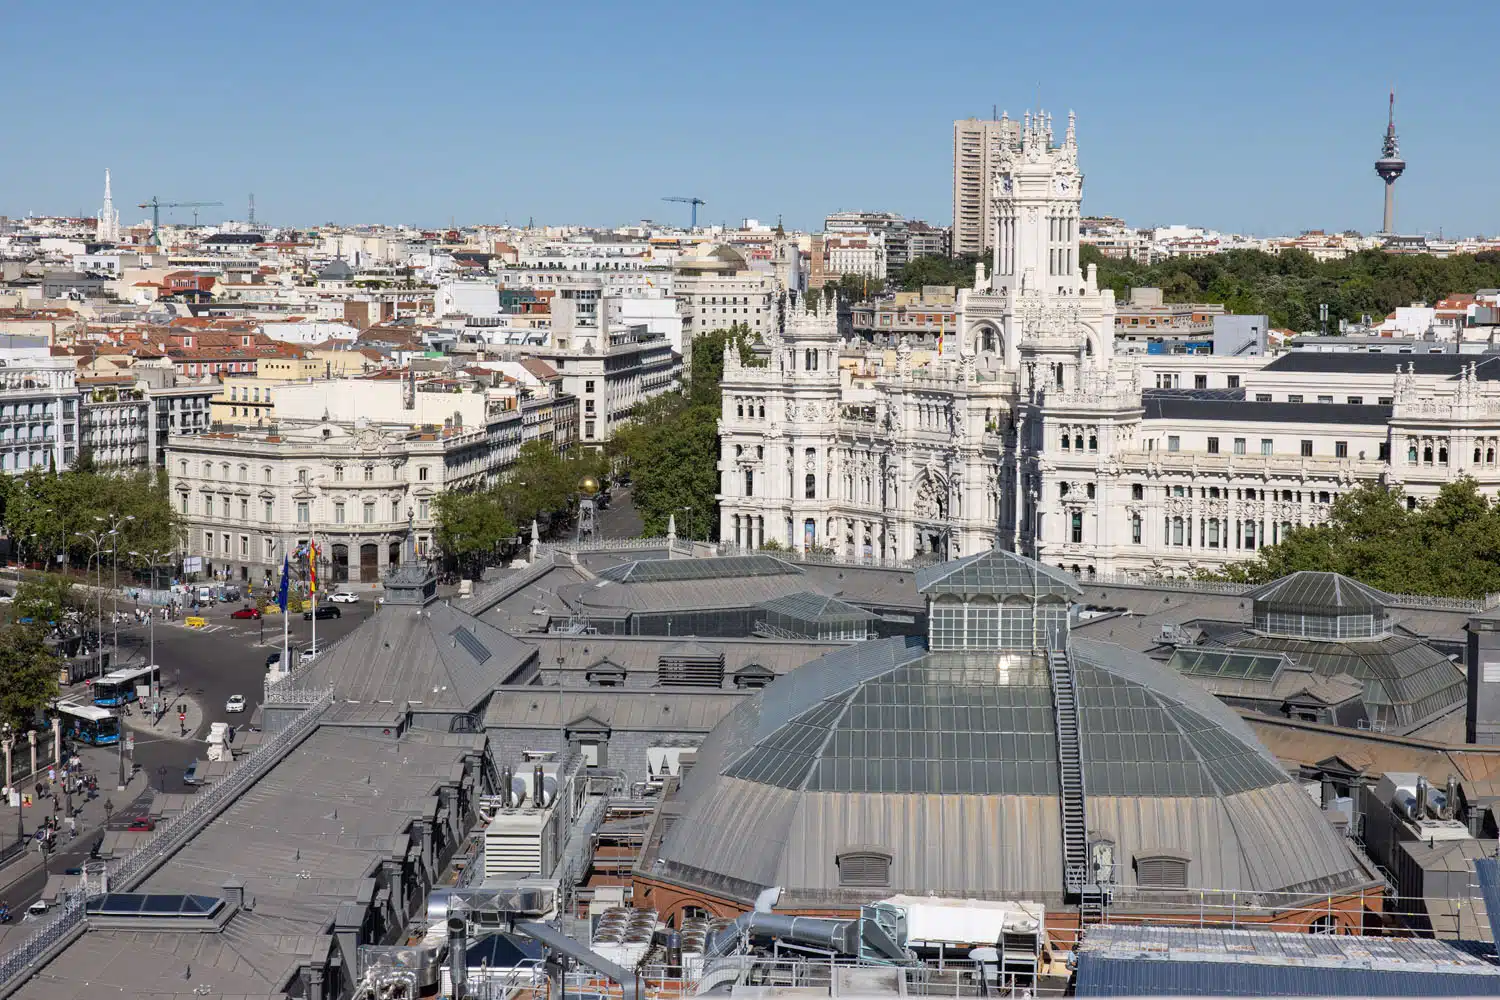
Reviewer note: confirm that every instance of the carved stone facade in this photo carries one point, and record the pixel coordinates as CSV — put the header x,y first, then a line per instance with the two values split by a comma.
x,y
1026,431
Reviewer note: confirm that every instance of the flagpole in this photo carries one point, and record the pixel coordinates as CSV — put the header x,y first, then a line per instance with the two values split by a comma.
x,y
286,644
312,576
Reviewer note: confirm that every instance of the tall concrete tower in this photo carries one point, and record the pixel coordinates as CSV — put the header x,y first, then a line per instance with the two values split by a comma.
x,y
108,230
1389,167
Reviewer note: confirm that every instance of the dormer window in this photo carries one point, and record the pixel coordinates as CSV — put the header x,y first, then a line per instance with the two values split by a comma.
x,y
1161,870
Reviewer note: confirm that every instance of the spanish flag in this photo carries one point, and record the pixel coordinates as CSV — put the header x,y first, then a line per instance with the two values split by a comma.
x,y
312,567
941,327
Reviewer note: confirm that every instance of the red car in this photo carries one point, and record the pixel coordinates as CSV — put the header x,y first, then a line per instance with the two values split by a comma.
x,y
246,612
141,824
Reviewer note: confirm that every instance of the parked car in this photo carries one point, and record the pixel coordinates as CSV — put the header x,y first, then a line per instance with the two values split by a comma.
x,y
190,776
344,597
324,611
236,703
273,660
141,824
38,908
309,654
6,597
246,612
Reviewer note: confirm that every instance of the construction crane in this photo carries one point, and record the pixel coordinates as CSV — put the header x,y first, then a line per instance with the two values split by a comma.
x,y
157,205
695,201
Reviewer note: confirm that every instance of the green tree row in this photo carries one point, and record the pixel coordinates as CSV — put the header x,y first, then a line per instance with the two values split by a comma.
x,y
47,513
670,449
1449,546
1289,286
473,525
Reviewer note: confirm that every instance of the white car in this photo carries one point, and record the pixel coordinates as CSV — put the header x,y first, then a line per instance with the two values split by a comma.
x,y
344,597
309,654
38,908
236,703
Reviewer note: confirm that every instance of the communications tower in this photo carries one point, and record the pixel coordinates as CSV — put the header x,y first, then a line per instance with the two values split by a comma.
x,y
1389,167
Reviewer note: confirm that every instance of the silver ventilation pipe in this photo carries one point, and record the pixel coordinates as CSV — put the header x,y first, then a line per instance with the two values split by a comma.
x,y
1421,808
538,791
1450,807
505,779
458,954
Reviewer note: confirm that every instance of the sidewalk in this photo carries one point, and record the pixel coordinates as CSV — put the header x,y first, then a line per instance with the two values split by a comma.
x,y
91,814
169,726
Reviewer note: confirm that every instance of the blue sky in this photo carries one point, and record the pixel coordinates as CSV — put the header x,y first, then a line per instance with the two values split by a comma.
x,y
1252,117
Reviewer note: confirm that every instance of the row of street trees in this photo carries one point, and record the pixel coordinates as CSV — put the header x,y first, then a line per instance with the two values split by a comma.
x,y
474,525
670,449
1449,546
91,521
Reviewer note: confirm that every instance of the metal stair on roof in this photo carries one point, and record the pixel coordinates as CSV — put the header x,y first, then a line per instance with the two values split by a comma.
x,y
1071,791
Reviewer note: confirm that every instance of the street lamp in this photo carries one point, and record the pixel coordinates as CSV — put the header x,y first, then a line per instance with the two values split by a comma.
x,y
97,538
114,564
689,519
155,556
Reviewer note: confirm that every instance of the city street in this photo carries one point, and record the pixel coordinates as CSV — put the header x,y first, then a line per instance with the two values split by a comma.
x,y
227,657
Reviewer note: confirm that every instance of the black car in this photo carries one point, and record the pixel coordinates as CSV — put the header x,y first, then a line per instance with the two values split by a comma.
x,y
273,659
324,611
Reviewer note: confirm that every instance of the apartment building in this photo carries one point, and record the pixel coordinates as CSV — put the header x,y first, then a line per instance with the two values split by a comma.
x,y
976,145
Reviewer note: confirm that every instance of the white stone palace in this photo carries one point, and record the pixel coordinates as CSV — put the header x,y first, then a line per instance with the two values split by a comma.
x,y
1026,430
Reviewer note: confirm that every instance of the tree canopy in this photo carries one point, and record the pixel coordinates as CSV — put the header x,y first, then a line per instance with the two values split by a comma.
x,y
47,512
1288,287
28,674
671,446
939,270
473,524
1449,546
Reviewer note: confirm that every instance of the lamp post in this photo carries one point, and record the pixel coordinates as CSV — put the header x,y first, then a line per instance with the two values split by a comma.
x,y
155,555
689,509
97,538
114,521
10,747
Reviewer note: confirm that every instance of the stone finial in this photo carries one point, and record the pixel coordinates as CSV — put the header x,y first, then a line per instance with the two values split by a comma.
x,y
671,528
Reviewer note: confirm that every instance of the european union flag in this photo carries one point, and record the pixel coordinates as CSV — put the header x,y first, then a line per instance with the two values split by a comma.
x,y
286,579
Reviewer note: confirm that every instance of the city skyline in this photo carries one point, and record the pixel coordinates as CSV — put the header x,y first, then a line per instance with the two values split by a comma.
x,y
490,117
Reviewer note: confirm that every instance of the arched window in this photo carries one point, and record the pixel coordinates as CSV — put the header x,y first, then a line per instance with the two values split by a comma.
x,y
810,486
1093,442
1442,454
208,470
864,869
1161,870
1078,441
182,467
244,473
1427,454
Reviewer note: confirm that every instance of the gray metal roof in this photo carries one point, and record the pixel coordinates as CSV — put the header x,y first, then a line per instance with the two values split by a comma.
x,y
1189,961
806,606
665,570
304,840
533,707
948,762
995,572
1414,679
1315,593
437,657
1365,363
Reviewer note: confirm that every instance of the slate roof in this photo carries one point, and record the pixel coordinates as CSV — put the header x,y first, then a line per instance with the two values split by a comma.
x,y
1239,410
436,657
718,568
1316,593
995,572
1364,363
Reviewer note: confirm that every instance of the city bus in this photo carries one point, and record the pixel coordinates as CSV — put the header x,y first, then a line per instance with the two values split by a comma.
x,y
119,686
88,723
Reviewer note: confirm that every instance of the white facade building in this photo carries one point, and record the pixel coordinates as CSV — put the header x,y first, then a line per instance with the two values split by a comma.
x,y
1027,432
